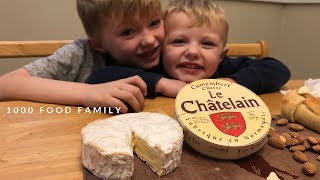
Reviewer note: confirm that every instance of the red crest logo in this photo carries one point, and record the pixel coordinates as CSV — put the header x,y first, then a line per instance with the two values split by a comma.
x,y
231,123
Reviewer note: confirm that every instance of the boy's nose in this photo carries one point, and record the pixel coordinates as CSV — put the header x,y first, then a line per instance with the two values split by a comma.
x,y
148,39
192,52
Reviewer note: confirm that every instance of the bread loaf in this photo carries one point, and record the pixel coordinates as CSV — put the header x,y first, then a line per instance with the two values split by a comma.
x,y
299,106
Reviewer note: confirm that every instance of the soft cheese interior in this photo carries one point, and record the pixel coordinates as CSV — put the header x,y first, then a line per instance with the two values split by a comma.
x,y
159,143
108,145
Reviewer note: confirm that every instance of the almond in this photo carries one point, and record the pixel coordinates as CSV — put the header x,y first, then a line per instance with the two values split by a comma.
x,y
292,142
286,135
297,148
318,158
306,145
282,122
309,168
312,140
301,139
300,156
316,149
272,132
276,142
282,139
294,134
296,127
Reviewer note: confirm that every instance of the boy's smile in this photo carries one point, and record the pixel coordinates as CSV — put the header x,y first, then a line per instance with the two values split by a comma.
x,y
190,68
150,55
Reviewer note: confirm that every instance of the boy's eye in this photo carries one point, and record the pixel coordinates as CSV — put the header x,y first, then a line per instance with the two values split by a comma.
x,y
127,32
208,44
155,23
178,41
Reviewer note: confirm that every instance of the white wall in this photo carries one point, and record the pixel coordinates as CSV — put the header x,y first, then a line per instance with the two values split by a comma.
x,y
291,29
299,40
39,20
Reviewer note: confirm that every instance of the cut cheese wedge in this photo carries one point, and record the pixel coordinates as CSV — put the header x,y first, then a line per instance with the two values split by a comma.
x,y
108,144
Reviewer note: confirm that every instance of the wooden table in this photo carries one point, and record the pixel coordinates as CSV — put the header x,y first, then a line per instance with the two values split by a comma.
x,y
47,146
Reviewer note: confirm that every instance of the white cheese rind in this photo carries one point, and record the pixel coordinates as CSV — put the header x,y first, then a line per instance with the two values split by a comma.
x,y
107,145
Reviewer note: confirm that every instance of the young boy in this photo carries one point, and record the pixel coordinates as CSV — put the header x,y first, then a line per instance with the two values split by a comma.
x,y
120,32
195,48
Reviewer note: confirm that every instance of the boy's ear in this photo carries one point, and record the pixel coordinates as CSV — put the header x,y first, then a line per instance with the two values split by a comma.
x,y
95,44
224,53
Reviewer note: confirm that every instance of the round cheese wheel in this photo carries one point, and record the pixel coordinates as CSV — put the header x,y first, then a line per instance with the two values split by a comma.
x,y
222,119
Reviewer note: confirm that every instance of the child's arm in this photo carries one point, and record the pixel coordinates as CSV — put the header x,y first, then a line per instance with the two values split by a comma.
x,y
259,75
20,85
156,83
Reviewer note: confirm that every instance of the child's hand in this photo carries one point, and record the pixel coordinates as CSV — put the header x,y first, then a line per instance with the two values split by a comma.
x,y
120,93
169,87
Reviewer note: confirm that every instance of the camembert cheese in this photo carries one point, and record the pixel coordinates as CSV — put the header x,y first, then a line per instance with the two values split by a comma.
x,y
108,144
222,119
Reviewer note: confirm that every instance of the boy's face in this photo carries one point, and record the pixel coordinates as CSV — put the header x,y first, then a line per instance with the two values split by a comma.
x,y
135,41
191,52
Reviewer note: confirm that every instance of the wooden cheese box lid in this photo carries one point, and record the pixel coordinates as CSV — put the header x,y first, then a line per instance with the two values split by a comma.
x,y
221,119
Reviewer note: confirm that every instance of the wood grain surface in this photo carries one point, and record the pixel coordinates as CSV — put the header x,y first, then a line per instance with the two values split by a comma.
x,y
43,145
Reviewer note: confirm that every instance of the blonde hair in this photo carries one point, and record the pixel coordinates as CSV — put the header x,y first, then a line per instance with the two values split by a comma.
x,y
93,12
202,11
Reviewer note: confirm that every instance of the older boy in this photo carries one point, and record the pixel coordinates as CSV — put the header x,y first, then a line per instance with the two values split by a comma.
x,y
194,48
120,32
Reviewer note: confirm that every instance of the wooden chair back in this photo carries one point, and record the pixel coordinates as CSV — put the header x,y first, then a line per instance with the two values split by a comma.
x,y
257,50
23,49
18,49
